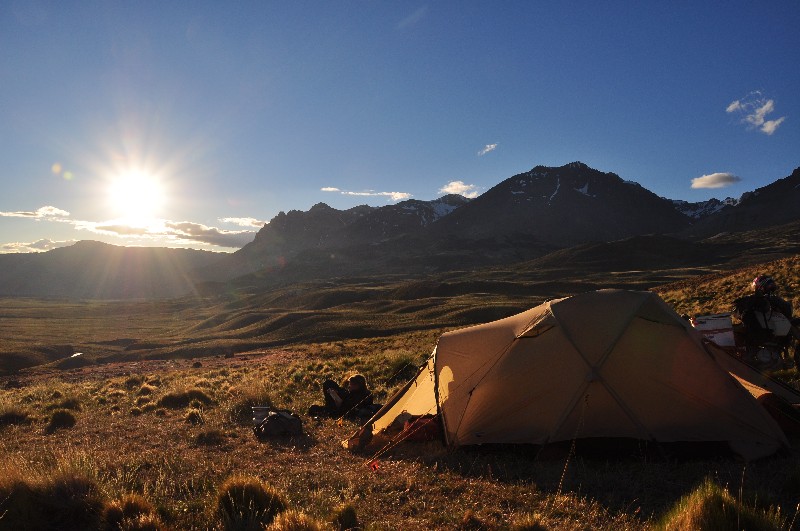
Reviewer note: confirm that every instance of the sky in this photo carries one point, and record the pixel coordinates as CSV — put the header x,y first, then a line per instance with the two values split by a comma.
x,y
191,124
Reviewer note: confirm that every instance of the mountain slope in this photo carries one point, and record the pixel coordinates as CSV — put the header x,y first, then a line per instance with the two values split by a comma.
x,y
774,204
94,270
564,206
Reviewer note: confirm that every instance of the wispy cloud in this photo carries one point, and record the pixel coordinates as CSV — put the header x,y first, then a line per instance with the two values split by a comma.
x,y
715,180
393,196
34,247
460,188
413,18
183,232
488,148
753,110
44,212
244,222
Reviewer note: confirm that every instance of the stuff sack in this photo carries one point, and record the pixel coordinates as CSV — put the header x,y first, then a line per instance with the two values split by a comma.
x,y
279,422
421,428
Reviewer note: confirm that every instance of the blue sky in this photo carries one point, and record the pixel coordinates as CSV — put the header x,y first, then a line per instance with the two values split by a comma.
x,y
190,124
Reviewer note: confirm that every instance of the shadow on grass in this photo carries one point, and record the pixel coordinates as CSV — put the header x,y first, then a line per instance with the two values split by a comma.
x,y
627,476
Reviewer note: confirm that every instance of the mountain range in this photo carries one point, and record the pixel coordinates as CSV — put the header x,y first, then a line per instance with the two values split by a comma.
x,y
524,218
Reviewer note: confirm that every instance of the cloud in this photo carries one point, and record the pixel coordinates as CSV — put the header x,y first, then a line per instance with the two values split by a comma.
x,y
715,180
458,187
753,110
244,222
393,196
184,232
413,18
187,231
45,212
34,247
488,148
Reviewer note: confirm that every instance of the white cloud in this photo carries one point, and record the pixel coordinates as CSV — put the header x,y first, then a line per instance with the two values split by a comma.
x,y
770,126
753,110
460,188
393,196
244,222
715,180
488,148
45,212
34,247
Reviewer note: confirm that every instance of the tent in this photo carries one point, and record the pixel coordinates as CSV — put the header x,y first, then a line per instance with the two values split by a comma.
x,y
609,363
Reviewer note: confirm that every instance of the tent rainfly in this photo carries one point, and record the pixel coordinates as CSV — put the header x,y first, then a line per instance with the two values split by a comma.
x,y
609,363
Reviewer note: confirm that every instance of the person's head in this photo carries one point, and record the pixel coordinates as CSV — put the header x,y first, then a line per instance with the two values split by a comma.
x,y
357,381
764,285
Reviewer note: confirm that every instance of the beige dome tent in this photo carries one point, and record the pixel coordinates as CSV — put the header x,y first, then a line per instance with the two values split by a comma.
x,y
609,363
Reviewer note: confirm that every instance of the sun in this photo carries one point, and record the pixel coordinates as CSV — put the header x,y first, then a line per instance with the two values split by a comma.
x,y
136,196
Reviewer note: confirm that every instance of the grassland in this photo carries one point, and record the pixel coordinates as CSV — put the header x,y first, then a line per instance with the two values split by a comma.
x,y
146,428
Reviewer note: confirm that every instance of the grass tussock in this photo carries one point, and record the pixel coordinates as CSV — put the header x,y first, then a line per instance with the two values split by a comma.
x,y
245,503
247,394
63,500
60,419
711,506
344,517
13,414
183,398
131,512
292,520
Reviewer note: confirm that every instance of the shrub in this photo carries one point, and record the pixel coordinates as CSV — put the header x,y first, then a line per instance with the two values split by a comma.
x,y
60,419
68,403
246,503
710,506
181,399
292,520
344,517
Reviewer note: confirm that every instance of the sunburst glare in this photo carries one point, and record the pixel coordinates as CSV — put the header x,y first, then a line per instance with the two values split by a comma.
x,y
136,197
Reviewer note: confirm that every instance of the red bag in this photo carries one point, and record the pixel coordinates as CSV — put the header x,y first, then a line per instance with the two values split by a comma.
x,y
421,428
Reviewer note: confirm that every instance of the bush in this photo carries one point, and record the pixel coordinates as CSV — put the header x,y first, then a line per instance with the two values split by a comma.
x,y
60,419
710,506
246,503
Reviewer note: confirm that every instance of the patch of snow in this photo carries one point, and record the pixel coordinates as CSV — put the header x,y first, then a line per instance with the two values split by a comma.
x,y
585,190
558,185
411,208
76,354
517,192
441,209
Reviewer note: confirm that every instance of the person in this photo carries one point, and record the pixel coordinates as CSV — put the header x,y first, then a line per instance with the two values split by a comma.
x,y
764,303
347,401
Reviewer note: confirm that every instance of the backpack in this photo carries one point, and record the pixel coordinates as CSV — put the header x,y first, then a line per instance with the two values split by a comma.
x,y
761,320
279,422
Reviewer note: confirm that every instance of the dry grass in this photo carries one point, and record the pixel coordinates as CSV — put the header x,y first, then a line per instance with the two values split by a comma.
x,y
160,469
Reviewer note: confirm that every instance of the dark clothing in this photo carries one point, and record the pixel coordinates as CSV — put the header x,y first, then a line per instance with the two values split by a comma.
x,y
351,401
